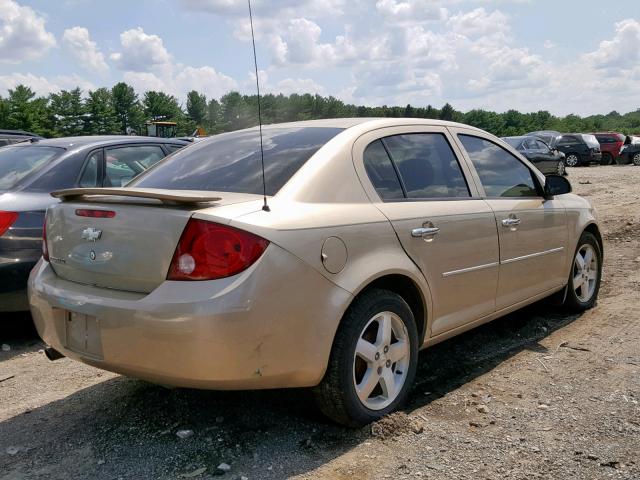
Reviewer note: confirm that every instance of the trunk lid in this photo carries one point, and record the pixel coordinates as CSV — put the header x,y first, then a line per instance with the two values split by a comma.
x,y
132,250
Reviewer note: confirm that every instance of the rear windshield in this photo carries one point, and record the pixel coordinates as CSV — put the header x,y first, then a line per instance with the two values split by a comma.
x,y
16,162
231,162
590,140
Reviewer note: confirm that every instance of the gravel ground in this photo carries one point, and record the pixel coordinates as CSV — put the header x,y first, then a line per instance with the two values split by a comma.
x,y
537,394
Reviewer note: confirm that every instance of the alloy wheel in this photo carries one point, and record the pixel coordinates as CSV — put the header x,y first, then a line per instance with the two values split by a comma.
x,y
585,273
636,159
572,160
381,360
560,168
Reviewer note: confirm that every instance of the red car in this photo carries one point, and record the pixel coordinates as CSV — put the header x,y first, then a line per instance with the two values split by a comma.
x,y
610,145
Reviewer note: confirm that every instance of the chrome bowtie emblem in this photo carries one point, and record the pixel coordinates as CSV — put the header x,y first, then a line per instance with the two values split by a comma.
x,y
91,234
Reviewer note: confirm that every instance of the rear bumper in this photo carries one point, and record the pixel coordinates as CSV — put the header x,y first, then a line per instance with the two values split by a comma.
x,y
14,272
591,157
271,326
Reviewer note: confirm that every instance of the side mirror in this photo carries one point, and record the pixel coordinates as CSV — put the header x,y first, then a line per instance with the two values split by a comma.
x,y
556,185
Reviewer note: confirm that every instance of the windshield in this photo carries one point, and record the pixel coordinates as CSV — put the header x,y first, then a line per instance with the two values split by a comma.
x,y
513,141
231,162
16,162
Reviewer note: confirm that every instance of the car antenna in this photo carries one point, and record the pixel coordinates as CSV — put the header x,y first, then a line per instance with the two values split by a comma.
x,y
265,207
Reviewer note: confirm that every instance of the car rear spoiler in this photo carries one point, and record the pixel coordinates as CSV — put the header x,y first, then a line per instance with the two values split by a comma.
x,y
181,197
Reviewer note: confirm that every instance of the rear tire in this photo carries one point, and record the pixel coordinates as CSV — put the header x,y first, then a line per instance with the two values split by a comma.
x,y
606,159
572,160
622,160
586,273
371,368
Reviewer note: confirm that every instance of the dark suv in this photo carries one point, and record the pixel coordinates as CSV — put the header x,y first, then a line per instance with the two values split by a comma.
x,y
610,145
579,149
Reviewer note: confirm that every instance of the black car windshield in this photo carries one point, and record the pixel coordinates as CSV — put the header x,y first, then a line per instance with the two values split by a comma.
x,y
231,162
515,142
17,162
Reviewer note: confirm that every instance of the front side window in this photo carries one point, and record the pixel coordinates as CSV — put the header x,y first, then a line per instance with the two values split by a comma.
x,y
17,162
231,162
124,163
501,174
427,166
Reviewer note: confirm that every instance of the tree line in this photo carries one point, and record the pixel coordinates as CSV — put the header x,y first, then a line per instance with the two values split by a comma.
x,y
120,110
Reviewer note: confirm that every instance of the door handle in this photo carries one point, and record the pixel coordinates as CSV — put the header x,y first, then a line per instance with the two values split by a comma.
x,y
424,232
512,221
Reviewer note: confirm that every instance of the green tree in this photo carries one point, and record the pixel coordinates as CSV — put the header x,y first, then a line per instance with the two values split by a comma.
x,y
161,106
127,107
197,108
447,112
68,112
26,112
101,118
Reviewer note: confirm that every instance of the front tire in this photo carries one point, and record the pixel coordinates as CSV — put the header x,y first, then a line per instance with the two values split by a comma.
x,y
572,160
606,159
585,276
636,159
373,360
560,169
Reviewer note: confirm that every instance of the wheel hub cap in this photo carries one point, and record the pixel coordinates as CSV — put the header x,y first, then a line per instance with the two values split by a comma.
x,y
585,273
381,360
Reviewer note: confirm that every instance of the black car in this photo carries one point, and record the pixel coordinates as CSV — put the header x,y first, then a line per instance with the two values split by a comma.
x,y
8,137
546,159
630,151
29,171
579,149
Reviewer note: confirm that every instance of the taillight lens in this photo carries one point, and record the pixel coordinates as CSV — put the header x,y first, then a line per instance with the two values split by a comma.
x,y
45,248
6,220
207,251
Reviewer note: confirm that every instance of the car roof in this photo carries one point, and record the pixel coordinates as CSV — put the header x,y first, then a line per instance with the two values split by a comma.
x,y
75,143
373,121
517,137
18,133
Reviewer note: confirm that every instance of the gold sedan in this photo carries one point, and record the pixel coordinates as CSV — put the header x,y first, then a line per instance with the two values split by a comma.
x,y
379,237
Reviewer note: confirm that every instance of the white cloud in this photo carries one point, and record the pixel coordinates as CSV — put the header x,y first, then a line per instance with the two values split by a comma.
x,y
267,8
623,51
411,10
288,86
43,86
479,23
23,34
78,42
140,51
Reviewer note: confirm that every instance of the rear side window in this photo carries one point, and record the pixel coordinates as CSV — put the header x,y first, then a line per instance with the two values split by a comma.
x,y
231,162
17,163
381,172
568,140
90,174
427,166
501,174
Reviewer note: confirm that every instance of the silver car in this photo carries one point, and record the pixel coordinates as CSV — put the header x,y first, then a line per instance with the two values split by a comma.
x,y
379,237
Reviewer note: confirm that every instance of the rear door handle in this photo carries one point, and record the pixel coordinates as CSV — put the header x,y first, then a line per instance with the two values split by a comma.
x,y
512,221
424,232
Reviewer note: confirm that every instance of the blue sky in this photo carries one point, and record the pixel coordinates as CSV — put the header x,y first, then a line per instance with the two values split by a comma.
x,y
567,56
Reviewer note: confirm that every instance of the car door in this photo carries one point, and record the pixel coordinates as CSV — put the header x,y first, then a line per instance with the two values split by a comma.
x,y
413,176
548,162
532,230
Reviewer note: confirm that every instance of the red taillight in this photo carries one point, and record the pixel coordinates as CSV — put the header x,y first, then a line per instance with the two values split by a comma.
x,y
208,250
45,249
6,220
83,212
